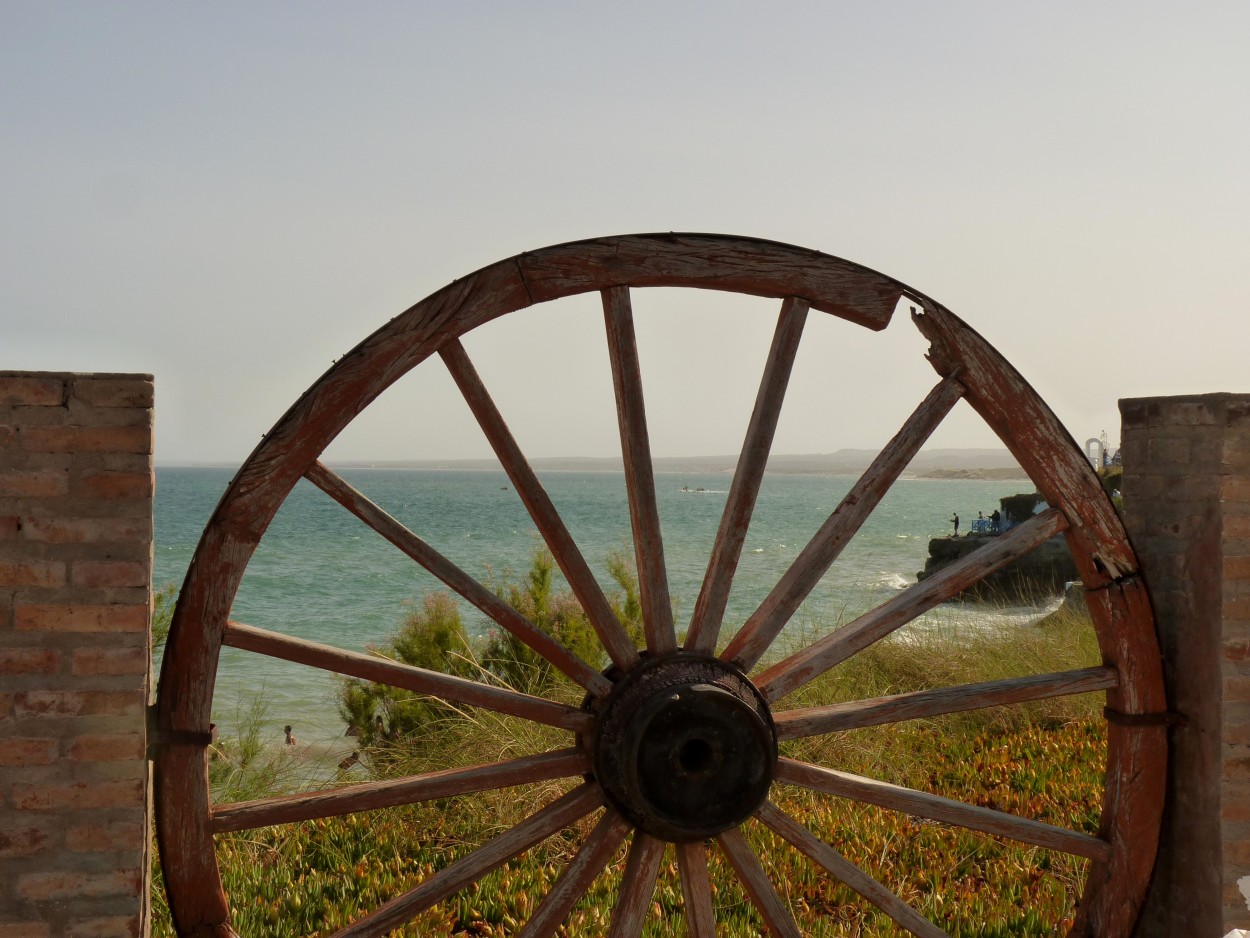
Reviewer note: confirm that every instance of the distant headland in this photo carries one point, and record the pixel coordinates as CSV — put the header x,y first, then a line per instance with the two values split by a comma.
x,y
975,464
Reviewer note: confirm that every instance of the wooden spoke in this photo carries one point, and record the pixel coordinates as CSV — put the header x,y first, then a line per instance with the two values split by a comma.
x,y
696,890
644,515
919,705
777,917
847,872
803,666
582,581
385,671
593,856
473,591
1133,794
709,608
633,902
370,796
759,631
473,866
937,808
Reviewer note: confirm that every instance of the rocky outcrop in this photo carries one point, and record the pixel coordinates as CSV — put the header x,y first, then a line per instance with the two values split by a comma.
x,y
1042,573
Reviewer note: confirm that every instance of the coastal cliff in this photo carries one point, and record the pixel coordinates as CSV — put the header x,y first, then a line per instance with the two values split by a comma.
x,y
1041,572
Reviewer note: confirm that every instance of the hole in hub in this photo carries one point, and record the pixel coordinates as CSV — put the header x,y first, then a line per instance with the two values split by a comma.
x,y
684,747
696,755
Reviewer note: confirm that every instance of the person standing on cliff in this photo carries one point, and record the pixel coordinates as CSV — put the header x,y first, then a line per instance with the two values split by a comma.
x,y
955,520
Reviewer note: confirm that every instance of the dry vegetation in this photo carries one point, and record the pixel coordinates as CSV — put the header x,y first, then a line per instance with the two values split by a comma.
x,y
1044,761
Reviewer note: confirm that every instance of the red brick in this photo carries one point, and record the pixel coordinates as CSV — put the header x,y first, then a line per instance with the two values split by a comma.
x,y
112,748
87,440
22,842
28,751
115,926
100,838
1236,689
26,418
73,885
6,706
1237,852
1238,412
106,484
37,660
63,461
93,574
24,930
1235,488
68,703
85,530
1233,808
84,414
31,617
1236,734
1186,491
34,483
49,703
111,660
37,390
126,462
1167,451
1192,414
114,392
1208,453
81,795
10,527
1235,831
1237,526
1237,452
1236,903
47,573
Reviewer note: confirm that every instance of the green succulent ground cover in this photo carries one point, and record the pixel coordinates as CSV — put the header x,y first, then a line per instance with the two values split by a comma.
x,y
1044,761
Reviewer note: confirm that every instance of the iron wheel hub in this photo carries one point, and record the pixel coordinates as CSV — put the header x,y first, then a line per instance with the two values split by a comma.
x,y
684,747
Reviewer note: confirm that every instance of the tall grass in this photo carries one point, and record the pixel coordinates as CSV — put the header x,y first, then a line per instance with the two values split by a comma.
x,y
959,651
1043,760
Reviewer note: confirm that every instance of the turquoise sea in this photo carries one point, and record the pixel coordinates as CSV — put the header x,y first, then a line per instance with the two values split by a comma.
x,y
321,574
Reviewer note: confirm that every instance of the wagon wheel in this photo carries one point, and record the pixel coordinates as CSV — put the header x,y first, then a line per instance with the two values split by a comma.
x,y
675,743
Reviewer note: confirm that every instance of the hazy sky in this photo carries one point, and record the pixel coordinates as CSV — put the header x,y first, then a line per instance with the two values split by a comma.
x,y
230,196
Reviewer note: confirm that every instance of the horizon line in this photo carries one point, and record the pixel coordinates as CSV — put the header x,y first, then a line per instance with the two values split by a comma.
x,y
729,460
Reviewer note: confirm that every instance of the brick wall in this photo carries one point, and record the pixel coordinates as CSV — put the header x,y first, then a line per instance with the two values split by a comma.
x,y
75,573
1187,507
75,568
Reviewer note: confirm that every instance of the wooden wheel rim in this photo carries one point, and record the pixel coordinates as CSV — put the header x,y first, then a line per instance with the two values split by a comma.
x,y
1119,606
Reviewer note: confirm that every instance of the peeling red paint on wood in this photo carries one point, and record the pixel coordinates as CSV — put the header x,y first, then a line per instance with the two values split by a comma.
x,y
970,367
709,608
